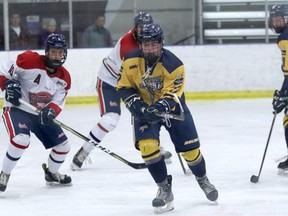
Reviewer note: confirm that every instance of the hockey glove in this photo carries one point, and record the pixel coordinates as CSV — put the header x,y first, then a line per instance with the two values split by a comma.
x,y
47,115
160,106
137,107
280,100
13,91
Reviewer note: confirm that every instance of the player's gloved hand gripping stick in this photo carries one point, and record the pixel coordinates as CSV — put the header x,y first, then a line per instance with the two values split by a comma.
x,y
165,115
131,164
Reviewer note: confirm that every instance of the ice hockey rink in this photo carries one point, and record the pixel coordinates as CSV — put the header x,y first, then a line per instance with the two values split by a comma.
x,y
233,135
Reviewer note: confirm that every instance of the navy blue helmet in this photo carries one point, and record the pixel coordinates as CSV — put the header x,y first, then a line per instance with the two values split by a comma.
x,y
279,10
143,18
56,41
151,32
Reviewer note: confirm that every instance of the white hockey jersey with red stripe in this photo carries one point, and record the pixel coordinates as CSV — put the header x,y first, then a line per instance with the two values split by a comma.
x,y
37,86
110,67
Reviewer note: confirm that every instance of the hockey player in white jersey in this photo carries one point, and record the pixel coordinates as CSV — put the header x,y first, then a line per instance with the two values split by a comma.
x,y
42,81
108,97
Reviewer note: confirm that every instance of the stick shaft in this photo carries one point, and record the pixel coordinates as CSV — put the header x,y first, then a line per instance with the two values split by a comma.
x,y
266,147
181,162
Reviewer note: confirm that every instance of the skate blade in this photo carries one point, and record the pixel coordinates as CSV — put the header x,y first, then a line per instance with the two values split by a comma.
x,y
56,184
162,209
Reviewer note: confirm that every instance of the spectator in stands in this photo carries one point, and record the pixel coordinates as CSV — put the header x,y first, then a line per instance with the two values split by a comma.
x,y
19,36
96,35
49,29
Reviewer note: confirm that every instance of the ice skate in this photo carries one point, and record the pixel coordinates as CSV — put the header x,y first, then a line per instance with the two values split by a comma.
x,y
79,159
167,155
4,178
209,189
164,198
56,178
283,168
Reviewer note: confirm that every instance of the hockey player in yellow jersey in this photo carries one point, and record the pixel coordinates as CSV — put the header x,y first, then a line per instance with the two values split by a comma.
x,y
151,85
278,19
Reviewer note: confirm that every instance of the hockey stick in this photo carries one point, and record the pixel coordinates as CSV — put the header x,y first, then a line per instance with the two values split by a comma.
x,y
254,178
185,171
180,117
133,165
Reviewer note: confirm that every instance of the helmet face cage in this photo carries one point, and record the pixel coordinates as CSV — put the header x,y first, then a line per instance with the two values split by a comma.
x,y
142,18
56,41
278,10
151,32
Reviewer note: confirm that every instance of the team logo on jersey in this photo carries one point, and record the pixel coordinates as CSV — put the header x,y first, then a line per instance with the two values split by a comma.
x,y
40,99
133,66
154,84
61,83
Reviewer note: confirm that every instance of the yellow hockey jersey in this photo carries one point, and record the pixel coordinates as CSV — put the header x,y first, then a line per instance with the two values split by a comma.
x,y
161,80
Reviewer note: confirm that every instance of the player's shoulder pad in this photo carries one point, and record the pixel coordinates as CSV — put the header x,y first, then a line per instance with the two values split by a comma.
x,y
30,60
133,54
283,35
170,61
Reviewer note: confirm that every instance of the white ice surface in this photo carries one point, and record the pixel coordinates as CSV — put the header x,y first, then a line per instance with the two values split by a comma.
x,y
233,135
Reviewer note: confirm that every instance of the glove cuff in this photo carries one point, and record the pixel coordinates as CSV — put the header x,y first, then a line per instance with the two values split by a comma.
x,y
130,100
